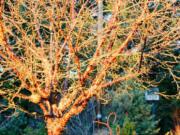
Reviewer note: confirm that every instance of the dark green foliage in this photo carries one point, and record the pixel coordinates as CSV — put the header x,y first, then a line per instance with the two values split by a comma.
x,y
168,85
21,124
128,127
40,130
166,107
165,111
133,112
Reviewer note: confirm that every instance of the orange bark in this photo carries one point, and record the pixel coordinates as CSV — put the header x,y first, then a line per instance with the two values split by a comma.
x,y
177,130
54,126
56,123
176,122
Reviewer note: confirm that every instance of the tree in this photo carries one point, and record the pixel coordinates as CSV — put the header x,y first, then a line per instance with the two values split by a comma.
x,y
50,55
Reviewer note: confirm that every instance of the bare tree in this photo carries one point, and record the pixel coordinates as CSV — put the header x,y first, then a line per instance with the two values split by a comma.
x,y
50,49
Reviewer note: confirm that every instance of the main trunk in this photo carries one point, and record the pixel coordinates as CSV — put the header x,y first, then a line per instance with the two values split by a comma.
x,y
55,126
56,121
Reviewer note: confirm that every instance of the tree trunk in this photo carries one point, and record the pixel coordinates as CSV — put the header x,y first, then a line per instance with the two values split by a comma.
x,y
55,121
55,126
177,129
176,119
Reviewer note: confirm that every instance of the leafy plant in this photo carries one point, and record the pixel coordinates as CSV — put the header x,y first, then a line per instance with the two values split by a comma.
x,y
133,113
19,123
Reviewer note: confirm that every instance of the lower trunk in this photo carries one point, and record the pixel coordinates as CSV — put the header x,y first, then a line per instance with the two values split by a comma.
x,y
176,119
55,126
177,130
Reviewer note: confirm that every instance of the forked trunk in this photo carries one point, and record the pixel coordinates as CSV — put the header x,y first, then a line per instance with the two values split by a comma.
x,y
55,126
56,121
